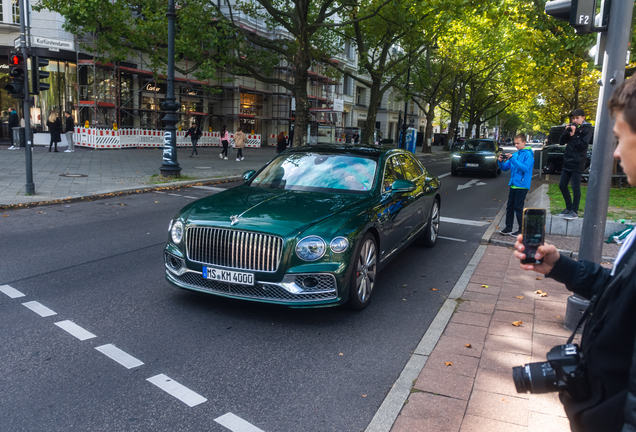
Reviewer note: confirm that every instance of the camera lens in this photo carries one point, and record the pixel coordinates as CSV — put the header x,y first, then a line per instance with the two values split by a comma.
x,y
535,378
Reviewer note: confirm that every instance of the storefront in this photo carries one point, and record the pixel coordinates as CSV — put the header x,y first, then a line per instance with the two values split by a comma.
x,y
251,113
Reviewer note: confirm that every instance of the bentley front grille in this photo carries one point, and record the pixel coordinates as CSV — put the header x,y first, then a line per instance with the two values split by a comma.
x,y
242,250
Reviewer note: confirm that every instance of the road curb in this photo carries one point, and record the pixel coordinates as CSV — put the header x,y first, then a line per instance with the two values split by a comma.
x,y
388,412
124,191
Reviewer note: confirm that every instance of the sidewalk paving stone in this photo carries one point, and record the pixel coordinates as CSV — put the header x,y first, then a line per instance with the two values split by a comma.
x,y
499,407
508,344
446,384
460,364
497,382
427,412
472,333
500,361
473,423
500,328
477,307
471,318
515,306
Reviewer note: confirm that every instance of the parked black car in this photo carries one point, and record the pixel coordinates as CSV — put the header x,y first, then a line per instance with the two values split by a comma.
x,y
476,155
553,158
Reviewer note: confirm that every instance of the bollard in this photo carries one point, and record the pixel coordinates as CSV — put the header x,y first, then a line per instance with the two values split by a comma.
x,y
575,308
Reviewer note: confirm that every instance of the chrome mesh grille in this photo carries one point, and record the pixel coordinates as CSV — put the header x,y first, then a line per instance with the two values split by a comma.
x,y
242,250
260,290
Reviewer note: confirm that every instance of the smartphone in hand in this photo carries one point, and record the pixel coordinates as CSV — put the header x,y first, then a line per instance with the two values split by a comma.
x,y
533,233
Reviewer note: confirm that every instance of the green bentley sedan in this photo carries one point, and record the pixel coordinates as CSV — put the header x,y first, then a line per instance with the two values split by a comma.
x,y
312,228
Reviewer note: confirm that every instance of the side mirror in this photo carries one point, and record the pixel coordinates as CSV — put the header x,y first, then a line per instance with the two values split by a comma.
x,y
247,175
401,186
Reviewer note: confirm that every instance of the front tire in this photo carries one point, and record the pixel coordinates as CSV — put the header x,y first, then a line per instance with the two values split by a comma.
x,y
363,273
429,237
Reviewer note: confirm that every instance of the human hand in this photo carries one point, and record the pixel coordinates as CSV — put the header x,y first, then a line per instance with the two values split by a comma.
x,y
548,252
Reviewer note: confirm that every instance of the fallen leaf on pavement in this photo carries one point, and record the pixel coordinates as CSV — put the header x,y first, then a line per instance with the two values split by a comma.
x,y
448,363
498,227
538,278
503,400
341,354
517,323
156,202
558,316
404,285
364,395
468,346
433,289
484,286
519,297
544,295
486,221
538,292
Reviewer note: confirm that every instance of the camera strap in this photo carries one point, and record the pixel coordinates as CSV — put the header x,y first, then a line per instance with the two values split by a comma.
x,y
584,317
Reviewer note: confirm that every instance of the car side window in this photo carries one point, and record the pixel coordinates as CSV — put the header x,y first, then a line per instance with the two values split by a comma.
x,y
412,169
392,172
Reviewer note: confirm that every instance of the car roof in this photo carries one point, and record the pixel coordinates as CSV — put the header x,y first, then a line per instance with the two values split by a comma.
x,y
351,149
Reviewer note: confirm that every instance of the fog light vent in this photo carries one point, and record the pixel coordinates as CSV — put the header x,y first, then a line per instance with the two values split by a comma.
x,y
310,282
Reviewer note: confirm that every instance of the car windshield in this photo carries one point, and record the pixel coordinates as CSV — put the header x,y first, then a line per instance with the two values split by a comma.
x,y
318,171
479,145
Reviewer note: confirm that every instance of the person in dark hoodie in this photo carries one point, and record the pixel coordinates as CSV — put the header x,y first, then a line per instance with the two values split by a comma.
x,y
577,136
520,165
608,338
14,121
195,134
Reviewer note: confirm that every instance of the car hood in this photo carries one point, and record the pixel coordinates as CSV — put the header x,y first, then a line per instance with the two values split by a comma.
x,y
283,212
477,153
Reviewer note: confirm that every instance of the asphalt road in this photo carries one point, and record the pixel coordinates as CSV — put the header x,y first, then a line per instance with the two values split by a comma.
x,y
99,265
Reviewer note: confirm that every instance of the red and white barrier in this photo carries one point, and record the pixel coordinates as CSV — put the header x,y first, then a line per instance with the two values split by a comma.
x,y
272,141
126,138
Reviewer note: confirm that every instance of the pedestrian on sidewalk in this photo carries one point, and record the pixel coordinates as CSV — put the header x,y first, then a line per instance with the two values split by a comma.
x,y
291,137
55,129
14,121
281,142
195,134
70,128
356,138
577,136
239,143
608,338
225,141
520,165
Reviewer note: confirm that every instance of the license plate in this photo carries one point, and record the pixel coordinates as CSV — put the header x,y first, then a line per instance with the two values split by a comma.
x,y
473,165
229,276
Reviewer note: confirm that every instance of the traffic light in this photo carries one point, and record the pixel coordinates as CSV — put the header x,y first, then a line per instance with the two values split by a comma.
x,y
579,13
17,73
36,75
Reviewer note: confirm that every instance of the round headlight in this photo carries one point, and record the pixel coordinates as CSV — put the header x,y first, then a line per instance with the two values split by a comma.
x,y
339,244
311,248
177,232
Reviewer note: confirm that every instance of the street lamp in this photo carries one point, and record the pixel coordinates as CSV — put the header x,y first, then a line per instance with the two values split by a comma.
x,y
170,167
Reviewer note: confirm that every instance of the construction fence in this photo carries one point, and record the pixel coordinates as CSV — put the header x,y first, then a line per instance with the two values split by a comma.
x,y
99,138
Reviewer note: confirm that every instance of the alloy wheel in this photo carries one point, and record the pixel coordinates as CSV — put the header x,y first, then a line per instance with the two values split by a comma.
x,y
434,222
366,270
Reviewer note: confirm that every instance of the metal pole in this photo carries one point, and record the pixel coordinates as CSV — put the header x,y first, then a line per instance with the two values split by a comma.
x,y
599,183
170,167
30,186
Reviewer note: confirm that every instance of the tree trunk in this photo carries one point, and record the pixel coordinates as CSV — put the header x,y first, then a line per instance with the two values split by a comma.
x,y
372,112
428,134
302,62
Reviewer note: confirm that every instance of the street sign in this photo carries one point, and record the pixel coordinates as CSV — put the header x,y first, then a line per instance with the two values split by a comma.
x,y
16,43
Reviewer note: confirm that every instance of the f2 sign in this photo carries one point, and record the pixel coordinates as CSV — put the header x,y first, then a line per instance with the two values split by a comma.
x,y
584,20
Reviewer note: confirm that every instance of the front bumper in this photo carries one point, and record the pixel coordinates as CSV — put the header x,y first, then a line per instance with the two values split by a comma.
x,y
291,291
484,165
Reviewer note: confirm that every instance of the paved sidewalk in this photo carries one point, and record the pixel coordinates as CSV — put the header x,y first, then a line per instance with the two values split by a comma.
x,y
108,171
466,384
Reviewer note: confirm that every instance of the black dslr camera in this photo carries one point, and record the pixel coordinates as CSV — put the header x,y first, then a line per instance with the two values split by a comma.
x,y
569,128
564,371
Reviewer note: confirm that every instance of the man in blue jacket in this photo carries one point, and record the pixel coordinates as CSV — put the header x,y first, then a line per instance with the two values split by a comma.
x,y
520,165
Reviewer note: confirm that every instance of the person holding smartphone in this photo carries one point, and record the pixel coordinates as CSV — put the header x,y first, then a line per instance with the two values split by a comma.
x,y
577,136
608,341
520,165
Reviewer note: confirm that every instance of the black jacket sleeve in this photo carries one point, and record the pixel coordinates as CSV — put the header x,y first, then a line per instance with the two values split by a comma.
x,y
629,411
584,278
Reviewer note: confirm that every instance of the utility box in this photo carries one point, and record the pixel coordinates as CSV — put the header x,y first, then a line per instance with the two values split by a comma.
x,y
18,137
411,140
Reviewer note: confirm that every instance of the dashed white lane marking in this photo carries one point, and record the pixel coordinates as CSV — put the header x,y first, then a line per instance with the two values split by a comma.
x,y
453,239
121,357
212,188
185,196
39,308
444,175
463,221
177,390
75,330
174,194
236,424
10,291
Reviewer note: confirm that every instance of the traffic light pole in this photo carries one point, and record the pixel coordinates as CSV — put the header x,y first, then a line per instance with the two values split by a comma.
x,y
30,186
599,183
